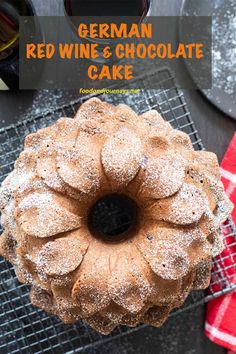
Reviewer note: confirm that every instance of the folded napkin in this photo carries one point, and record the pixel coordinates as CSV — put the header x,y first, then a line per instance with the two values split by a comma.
x,y
220,325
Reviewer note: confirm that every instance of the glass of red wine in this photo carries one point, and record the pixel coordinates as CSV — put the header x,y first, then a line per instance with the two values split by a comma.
x,y
137,8
133,10
10,12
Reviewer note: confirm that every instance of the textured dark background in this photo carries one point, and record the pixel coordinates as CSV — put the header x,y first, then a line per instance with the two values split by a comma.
x,y
182,334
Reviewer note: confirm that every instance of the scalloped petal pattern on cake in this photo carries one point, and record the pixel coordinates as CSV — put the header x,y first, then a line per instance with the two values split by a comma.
x,y
40,215
164,176
61,256
87,291
79,169
129,284
184,208
121,157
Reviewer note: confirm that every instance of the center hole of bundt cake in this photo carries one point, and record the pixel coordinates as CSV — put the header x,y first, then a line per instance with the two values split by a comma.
x,y
113,218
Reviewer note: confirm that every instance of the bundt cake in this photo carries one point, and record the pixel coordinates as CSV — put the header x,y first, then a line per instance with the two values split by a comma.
x,y
112,217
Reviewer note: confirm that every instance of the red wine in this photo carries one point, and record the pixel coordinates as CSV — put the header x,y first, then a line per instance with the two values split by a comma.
x,y
9,29
10,12
107,7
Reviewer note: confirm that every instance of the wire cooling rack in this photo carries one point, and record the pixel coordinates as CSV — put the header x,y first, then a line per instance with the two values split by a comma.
x,y
25,329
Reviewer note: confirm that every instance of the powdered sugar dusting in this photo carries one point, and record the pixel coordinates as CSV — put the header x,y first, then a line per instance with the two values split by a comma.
x,y
36,200
224,47
133,291
49,219
121,157
167,259
164,176
61,256
79,169
188,206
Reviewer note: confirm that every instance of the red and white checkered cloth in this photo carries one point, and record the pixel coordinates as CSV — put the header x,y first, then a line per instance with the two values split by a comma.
x,y
220,325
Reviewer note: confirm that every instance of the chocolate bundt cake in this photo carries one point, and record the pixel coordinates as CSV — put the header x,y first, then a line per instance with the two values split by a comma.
x,y
112,217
